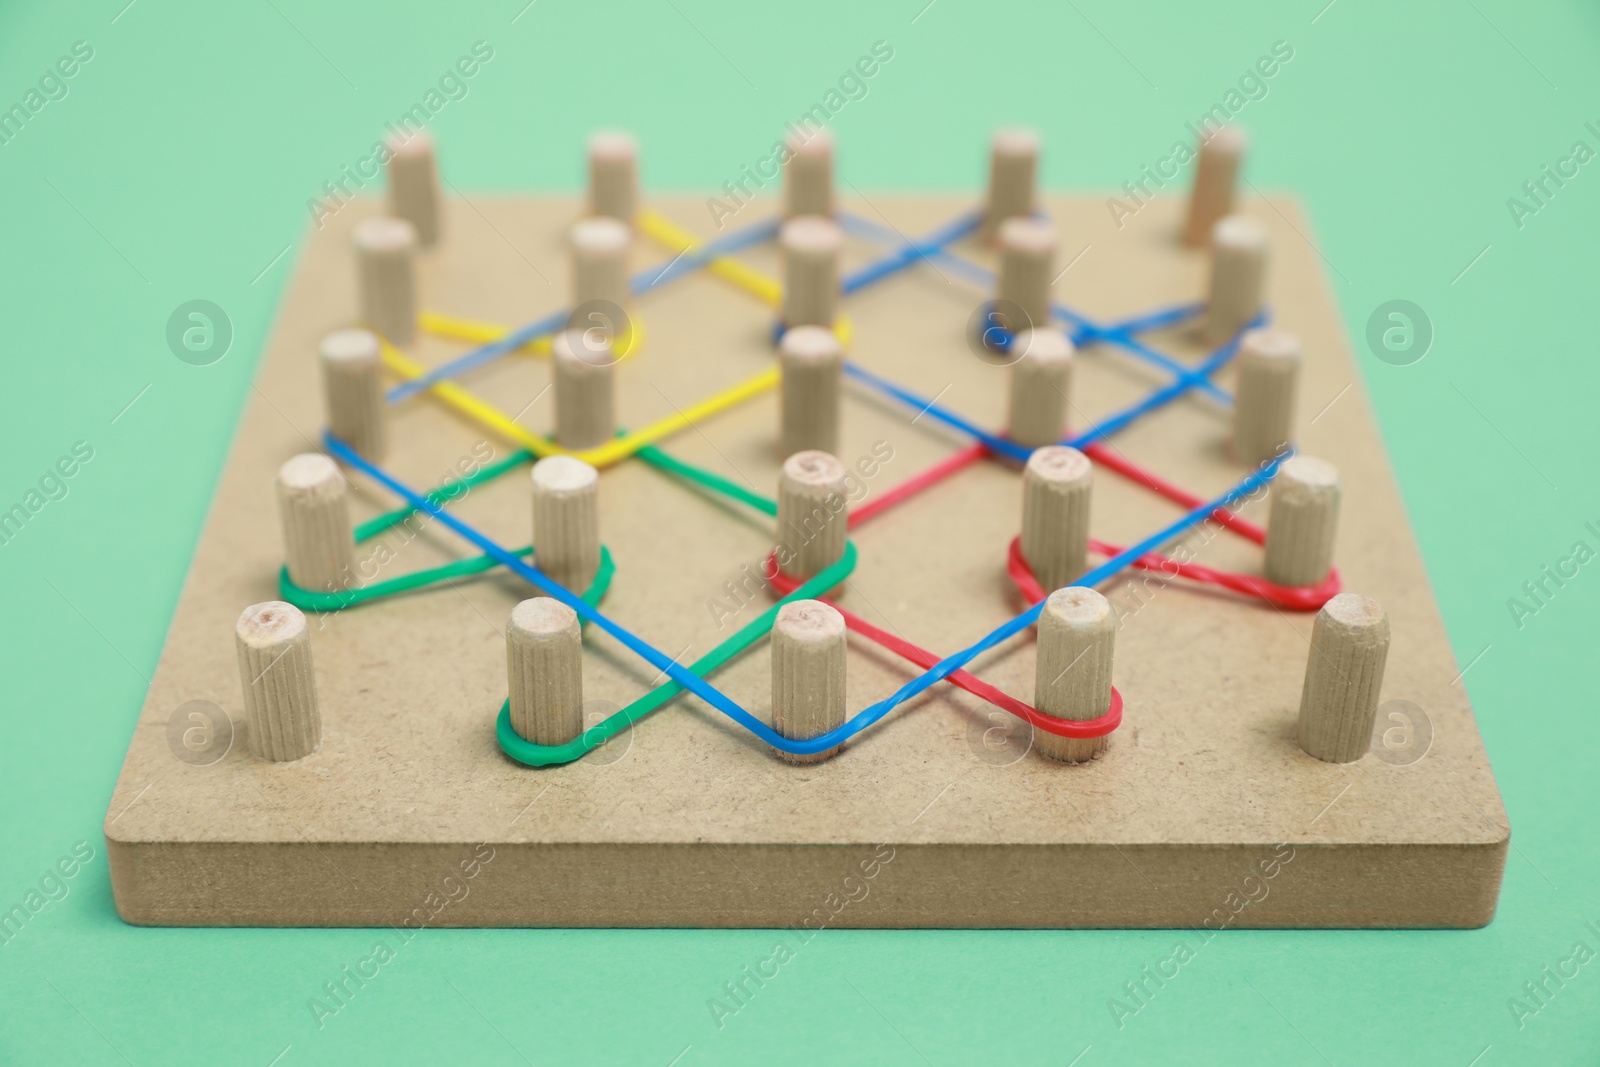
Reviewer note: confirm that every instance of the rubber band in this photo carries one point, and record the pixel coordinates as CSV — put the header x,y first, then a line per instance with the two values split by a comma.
x,y
331,601
624,347
1309,598
662,231
1292,598
439,377
314,600
1004,446
654,656
1096,727
443,494
528,752
638,285
1159,398
1114,460
712,257
762,286
994,442
694,683
492,418
1117,333
911,252
916,483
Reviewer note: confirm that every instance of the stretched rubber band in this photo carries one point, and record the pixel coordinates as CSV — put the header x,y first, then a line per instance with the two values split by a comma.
x,y
528,752
640,283
443,494
694,256
910,252
1087,330
722,702
328,601
313,600
1096,727
998,444
752,281
689,680
625,346
492,418
1291,598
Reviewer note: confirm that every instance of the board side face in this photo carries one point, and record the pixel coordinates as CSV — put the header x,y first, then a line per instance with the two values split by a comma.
x,y
1205,764
866,886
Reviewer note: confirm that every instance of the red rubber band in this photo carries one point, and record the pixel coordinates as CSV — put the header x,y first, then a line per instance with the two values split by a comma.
x,y
1109,458
1290,597
917,483
1293,598
977,687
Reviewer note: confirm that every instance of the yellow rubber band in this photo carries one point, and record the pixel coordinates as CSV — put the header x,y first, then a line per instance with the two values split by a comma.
x,y
761,286
474,331
679,240
492,418
478,332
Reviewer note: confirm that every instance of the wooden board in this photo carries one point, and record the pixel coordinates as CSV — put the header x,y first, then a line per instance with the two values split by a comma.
x,y
1203,811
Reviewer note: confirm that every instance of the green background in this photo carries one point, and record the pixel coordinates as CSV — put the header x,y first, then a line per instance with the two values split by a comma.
x,y
179,167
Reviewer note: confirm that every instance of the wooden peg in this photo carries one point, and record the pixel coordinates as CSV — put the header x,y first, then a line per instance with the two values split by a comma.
x,y
1238,276
1263,402
810,247
808,175
544,671
282,719
808,663
600,261
1344,675
1013,177
1221,153
319,546
1302,520
566,521
414,185
813,369
352,391
585,401
1041,381
386,267
614,176
813,508
1077,635
1056,488
1027,267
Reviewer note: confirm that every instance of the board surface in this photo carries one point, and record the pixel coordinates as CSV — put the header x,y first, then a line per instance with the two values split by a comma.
x,y
687,820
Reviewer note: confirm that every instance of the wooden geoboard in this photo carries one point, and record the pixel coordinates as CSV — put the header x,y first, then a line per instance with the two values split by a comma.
x,y
1203,811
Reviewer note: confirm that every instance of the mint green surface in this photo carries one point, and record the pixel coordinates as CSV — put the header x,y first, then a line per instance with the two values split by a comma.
x,y
178,167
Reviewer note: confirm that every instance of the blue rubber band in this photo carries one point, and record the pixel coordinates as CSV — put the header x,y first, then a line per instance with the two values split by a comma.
x,y
910,252
1002,445
721,701
1120,420
638,285
1087,330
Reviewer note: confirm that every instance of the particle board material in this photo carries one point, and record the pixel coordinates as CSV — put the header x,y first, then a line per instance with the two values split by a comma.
x,y
1203,811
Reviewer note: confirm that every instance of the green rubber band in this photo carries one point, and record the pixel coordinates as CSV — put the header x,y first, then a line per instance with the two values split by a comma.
x,y
657,458
522,750
441,495
515,746
312,600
